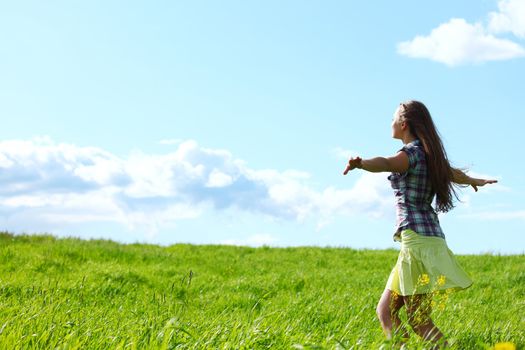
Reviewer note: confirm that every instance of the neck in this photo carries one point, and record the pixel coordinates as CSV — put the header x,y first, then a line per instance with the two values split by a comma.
x,y
407,138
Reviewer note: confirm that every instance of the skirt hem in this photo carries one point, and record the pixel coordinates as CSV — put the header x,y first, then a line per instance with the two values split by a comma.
x,y
426,265
441,290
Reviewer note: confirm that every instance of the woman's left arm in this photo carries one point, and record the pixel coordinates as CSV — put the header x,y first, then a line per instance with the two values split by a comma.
x,y
461,178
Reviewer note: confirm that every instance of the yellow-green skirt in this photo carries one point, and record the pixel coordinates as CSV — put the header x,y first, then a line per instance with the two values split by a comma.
x,y
425,264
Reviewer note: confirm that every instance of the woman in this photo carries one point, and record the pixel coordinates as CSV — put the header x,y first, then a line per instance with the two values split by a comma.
x,y
420,172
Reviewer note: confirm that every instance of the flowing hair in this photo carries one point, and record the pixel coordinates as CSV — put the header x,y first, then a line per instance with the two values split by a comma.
x,y
440,174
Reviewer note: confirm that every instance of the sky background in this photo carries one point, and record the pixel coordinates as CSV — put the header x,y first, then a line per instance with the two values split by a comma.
x,y
230,122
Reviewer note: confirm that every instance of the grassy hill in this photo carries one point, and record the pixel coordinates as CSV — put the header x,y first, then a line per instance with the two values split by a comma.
x,y
77,294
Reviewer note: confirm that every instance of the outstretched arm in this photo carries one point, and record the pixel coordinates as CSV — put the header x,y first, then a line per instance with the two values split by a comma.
x,y
459,177
397,164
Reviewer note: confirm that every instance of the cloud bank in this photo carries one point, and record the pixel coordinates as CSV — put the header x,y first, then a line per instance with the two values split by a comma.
x,y
50,184
458,42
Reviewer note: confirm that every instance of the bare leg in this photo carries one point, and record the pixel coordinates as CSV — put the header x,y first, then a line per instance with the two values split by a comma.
x,y
387,311
418,311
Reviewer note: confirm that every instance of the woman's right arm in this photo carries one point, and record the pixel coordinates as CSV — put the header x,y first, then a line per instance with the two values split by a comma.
x,y
459,177
397,163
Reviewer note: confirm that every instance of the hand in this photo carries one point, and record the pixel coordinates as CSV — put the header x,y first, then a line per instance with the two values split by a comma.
x,y
352,164
481,182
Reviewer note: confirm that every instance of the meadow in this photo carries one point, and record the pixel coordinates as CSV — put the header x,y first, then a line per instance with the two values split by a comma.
x,y
96,294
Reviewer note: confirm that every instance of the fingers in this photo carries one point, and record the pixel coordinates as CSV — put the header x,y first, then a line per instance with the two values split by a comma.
x,y
348,166
352,164
483,183
486,182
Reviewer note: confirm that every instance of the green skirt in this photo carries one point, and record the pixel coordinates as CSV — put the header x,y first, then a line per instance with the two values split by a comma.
x,y
425,264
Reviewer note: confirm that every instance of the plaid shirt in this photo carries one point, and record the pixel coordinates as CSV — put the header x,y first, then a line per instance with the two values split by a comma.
x,y
413,193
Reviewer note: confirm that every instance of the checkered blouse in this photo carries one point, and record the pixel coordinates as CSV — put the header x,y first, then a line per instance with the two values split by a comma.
x,y
413,194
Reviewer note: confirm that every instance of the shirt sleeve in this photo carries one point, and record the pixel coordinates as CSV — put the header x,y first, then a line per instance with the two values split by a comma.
x,y
412,154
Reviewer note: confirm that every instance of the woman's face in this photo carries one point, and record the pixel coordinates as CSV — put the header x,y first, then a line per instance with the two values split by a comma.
x,y
397,125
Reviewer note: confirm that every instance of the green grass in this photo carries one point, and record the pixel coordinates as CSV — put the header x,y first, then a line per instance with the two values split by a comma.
x,y
77,294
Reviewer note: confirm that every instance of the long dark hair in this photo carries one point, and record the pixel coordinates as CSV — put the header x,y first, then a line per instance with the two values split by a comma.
x,y
439,171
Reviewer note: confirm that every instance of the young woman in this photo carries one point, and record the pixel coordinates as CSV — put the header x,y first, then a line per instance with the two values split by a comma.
x,y
420,171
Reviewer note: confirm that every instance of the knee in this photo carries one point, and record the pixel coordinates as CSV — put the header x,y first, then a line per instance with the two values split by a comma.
x,y
382,312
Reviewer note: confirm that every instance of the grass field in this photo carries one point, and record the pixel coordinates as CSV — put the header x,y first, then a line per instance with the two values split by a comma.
x,y
76,294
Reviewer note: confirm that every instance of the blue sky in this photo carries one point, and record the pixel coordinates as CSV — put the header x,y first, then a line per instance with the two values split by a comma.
x,y
230,122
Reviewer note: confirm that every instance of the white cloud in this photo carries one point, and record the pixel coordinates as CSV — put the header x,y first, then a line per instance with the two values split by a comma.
x,y
49,184
510,18
219,179
371,195
458,42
